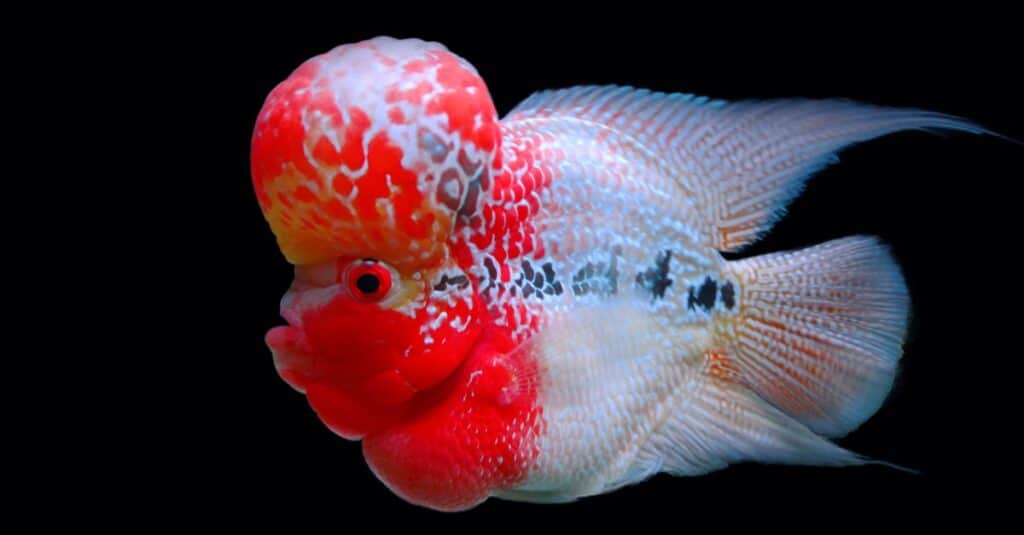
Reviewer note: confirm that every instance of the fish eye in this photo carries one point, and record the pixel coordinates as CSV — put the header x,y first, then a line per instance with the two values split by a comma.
x,y
368,280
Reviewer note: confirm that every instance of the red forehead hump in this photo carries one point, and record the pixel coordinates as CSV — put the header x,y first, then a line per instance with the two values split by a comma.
x,y
374,149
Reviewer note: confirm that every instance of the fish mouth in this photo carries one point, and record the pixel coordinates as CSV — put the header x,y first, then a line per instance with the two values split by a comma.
x,y
352,414
292,355
295,362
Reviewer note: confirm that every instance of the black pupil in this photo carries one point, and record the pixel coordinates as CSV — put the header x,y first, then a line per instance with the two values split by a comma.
x,y
368,283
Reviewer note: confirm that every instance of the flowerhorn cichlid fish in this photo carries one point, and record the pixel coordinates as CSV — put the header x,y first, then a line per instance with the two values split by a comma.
x,y
536,307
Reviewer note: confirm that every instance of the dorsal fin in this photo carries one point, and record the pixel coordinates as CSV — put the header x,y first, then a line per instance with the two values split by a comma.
x,y
743,162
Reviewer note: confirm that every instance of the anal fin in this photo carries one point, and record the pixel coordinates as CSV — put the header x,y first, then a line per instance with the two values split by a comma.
x,y
723,423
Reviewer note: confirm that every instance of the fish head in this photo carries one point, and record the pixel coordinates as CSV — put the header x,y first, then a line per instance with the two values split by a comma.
x,y
365,161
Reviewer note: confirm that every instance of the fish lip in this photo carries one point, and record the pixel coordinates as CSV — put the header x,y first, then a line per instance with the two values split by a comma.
x,y
293,358
288,346
295,363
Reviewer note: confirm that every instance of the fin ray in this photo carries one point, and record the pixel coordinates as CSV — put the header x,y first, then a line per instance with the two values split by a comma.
x,y
743,162
820,330
722,423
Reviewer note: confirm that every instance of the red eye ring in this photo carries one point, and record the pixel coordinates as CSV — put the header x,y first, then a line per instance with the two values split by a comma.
x,y
368,281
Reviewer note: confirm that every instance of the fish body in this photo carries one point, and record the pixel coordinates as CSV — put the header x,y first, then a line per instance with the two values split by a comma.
x,y
537,307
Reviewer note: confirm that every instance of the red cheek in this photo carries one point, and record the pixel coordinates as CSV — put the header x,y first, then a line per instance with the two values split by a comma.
x,y
432,363
356,342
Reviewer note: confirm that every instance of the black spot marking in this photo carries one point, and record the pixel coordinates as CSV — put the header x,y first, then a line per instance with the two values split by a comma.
x,y
534,282
655,279
492,273
549,272
703,296
600,278
728,295
459,281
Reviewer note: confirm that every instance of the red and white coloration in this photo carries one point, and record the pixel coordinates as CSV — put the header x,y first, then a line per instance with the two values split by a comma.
x,y
536,308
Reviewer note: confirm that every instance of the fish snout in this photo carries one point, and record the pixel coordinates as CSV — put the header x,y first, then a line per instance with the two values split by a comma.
x,y
292,356
351,413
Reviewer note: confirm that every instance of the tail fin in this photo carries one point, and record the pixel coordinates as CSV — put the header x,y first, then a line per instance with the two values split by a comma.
x,y
820,331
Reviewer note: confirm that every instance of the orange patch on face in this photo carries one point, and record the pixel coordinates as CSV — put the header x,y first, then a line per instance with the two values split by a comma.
x,y
391,212
303,194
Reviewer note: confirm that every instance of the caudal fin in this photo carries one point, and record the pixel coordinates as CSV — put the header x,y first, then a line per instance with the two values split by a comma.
x,y
819,332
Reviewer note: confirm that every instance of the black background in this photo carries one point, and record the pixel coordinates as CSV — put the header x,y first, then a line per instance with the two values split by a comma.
x,y
248,446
